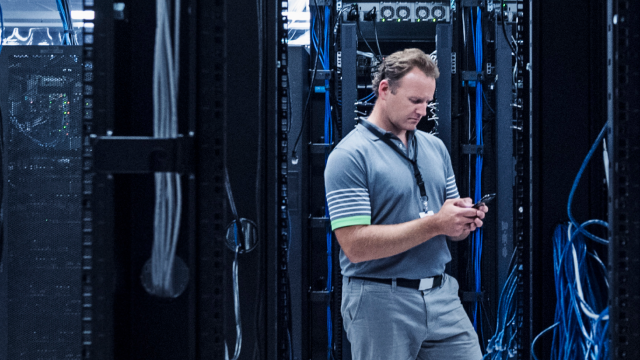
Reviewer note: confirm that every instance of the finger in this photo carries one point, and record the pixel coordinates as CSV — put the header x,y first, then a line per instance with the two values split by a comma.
x,y
480,214
465,220
469,212
478,222
472,227
484,208
464,203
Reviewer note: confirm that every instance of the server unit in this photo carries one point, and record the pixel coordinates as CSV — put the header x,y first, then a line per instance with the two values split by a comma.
x,y
41,292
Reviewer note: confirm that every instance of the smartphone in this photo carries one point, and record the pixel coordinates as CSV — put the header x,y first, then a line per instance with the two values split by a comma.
x,y
485,199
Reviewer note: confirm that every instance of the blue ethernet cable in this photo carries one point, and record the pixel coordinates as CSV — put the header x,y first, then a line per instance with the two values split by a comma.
x,y
328,136
582,313
1,28
477,236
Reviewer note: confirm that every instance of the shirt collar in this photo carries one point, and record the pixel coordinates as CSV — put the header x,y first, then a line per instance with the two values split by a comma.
x,y
410,134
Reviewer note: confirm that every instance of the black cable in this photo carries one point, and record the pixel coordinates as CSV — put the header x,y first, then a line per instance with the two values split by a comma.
x,y
338,20
334,115
306,105
257,349
375,30
360,32
484,311
315,2
258,188
313,78
504,28
288,104
232,205
261,35
513,262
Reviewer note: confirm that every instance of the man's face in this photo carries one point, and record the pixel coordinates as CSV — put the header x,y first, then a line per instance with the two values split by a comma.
x,y
408,105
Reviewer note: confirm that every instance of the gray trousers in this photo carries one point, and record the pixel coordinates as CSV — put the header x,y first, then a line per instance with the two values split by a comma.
x,y
390,322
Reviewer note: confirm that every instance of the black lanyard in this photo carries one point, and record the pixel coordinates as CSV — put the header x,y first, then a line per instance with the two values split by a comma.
x,y
414,161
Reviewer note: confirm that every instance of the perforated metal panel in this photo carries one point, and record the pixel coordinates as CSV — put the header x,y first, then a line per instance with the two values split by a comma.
x,y
41,104
623,38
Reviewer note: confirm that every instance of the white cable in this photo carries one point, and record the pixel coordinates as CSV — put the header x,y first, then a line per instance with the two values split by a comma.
x,y
168,201
583,304
156,255
464,30
434,56
605,157
236,305
433,115
236,300
515,68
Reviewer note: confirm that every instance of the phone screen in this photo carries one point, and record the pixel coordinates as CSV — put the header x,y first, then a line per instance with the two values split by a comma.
x,y
485,200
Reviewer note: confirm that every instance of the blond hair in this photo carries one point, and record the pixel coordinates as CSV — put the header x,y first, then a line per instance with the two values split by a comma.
x,y
398,64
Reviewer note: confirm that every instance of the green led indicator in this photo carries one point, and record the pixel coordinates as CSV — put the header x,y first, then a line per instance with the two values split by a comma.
x,y
434,20
504,5
64,127
383,20
418,20
398,20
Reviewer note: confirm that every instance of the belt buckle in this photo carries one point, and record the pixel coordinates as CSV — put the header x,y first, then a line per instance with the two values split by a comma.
x,y
426,284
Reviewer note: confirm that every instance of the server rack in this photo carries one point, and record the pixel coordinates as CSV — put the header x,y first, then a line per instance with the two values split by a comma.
x,y
349,84
122,319
623,27
42,257
523,190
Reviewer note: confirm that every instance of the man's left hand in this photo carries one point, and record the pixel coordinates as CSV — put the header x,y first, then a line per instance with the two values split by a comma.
x,y
480,214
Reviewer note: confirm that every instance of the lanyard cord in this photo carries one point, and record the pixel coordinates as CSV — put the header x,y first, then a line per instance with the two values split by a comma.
x,y
414,161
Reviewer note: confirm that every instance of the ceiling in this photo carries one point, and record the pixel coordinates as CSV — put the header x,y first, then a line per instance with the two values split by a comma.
x,y
29,13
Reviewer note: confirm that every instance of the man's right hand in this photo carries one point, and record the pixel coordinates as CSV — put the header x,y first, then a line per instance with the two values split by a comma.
x,y
457,217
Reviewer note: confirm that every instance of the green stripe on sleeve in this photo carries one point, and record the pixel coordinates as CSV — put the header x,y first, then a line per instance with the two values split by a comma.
x,y
350,221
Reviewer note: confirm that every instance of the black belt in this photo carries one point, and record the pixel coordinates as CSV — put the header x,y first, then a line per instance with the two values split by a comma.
x,y
427,283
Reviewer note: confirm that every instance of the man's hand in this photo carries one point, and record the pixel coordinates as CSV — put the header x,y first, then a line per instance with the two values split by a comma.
x,y
455,219
458,218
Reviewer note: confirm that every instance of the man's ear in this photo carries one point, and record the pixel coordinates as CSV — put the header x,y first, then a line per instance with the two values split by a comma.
x,y
383,89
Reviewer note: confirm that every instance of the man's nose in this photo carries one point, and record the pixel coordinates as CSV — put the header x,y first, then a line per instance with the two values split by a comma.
x,y
422,110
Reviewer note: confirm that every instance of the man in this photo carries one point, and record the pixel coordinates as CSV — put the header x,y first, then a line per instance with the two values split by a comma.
x,y
392,220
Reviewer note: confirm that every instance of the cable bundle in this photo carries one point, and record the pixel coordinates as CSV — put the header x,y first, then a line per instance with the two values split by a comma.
x,y
236,300
322,52
168,202
503,344
236,287
476,237
69,37
433,116
582,314
328,138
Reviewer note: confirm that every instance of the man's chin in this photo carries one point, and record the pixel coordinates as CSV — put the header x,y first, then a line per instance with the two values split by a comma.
x,y
412,125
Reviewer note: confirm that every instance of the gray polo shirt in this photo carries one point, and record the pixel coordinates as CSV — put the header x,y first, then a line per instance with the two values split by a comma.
x,y
367,182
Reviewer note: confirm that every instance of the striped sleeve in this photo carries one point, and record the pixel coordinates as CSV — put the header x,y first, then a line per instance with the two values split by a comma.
x,y
346,190
452,188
